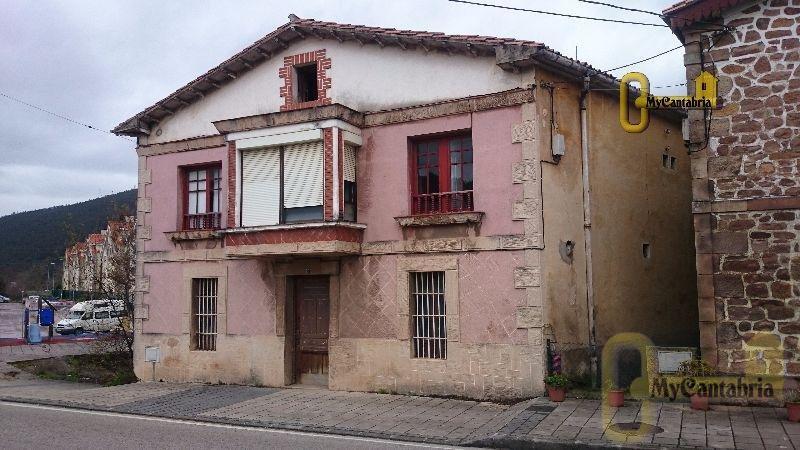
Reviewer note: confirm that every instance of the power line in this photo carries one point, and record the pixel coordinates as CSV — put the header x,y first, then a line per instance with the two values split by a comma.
x,y
645,59
62,117
624,8
653,13
551,13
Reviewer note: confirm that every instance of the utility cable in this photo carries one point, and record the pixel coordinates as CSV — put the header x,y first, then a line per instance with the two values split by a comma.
x,y
552,13
62,117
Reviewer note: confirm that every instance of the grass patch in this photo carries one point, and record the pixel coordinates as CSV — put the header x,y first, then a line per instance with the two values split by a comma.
x,y
108,369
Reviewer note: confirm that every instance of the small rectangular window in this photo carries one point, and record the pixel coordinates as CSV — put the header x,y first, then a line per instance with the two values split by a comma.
x,y
306,80
428,315
204,314
672,162
646,250
664,160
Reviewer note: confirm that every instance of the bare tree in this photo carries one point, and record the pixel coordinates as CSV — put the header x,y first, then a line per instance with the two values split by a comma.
x,y
118,273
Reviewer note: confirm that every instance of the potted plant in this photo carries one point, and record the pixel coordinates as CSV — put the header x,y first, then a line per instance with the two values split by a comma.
x,y
697,368
556,387
615,397
792,397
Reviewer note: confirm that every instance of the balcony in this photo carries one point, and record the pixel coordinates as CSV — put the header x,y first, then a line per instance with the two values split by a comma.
x,y
441,203
310,239
208,221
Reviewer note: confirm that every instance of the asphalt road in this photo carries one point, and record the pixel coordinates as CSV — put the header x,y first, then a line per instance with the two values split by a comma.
x,y
29,426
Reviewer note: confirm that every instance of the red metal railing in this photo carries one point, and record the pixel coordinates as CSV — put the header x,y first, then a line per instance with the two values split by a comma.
x,y
441,202
208,221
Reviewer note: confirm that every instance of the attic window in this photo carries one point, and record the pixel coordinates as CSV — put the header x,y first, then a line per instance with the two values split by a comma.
x,y
306,77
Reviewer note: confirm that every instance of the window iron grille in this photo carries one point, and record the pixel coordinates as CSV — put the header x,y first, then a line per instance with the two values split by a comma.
x,y
429,315
204,314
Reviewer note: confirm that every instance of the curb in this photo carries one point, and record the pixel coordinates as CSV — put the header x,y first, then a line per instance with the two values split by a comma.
x,y
247,423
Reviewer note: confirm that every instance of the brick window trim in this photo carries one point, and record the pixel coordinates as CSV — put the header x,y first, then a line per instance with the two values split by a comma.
x,y
288,74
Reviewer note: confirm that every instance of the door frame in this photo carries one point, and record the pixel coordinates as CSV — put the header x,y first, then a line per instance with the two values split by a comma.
x,y
285,272
292,288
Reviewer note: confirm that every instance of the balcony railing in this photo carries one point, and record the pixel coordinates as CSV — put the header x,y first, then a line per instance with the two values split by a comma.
x,y
208,221
441,202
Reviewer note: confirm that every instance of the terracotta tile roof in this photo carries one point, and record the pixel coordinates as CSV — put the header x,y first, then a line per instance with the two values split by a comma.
x,y
298,29
688,12
95,238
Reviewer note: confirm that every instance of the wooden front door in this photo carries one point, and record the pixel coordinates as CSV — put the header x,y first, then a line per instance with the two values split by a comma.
x,y
312,319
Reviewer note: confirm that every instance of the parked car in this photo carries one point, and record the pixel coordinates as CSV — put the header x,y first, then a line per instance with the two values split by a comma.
x,y
4,299
93,315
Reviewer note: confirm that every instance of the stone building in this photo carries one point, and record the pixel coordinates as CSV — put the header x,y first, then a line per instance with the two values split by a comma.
x,y
374,209
87,264
746,181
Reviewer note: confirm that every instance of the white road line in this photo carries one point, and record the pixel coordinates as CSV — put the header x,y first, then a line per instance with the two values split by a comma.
x,y
220,425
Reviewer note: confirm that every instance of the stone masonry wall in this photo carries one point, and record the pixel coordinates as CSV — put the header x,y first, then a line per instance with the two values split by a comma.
x,y
746,188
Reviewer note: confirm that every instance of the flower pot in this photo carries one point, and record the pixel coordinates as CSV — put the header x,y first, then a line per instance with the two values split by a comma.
x,y
556,394
615,398
793,411
699,402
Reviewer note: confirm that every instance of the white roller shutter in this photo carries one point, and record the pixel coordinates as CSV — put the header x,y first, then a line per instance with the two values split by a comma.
x,y
261,186
349,163
302,173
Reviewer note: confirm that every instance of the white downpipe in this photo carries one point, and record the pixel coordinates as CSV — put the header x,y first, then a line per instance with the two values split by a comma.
x,y
587,228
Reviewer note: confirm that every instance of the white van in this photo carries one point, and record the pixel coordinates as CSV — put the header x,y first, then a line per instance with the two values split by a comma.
x,y
92,315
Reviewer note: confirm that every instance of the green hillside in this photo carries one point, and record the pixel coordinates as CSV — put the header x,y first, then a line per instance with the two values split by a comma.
x,y
30,240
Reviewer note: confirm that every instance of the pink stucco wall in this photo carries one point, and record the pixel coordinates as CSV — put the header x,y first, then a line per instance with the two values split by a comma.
x,y
383,187
488,300
165,189
164,300
251,297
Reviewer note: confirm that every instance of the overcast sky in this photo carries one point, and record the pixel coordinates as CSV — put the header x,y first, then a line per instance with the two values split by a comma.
x,y
100,62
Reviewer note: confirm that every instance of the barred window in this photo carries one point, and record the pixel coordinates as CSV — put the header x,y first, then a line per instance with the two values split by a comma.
x,y
428,315
204,314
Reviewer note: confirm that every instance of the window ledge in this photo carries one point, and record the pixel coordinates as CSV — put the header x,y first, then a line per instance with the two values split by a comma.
x,y
293,226
440,219
192,235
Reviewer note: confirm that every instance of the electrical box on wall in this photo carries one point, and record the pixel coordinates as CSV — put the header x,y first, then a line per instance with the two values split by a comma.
x,y
152,354
559,147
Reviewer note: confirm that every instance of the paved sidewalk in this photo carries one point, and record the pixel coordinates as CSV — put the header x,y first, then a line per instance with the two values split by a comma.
x,y
576,423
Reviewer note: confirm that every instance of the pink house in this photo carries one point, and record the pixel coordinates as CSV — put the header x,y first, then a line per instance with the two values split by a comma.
x,y
373,209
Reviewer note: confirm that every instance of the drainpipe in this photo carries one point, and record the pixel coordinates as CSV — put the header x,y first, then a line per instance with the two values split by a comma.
x,y
587,232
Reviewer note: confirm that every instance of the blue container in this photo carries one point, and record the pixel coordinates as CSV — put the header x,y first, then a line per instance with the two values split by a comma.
x,y
46,316
34,334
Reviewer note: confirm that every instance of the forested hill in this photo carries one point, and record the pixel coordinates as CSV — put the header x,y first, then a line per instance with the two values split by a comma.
x,y
30,240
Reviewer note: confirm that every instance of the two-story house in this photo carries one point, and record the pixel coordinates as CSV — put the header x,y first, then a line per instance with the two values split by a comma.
x,y
374,209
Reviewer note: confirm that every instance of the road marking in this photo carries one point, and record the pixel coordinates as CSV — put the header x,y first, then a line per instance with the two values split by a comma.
x,y
222,425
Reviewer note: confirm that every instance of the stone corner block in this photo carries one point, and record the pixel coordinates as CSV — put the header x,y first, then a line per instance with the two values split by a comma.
x,y
145,232
529,317
143,283
144,204
529,208
527,277
525,131
141,312
527,170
